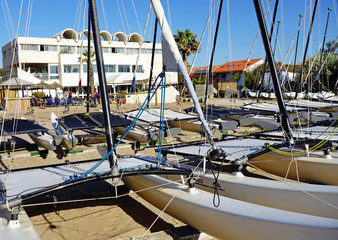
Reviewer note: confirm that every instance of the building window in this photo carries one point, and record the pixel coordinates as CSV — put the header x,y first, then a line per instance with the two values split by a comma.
x,y
149,51
30,47
47,48
71,68
53,69
4,54
75,68
131,50
85,68
85,49
53,72
139,69
109,68
124,68
118,50
105,50
67,49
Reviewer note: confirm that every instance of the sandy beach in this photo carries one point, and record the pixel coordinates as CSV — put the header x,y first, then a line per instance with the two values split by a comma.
x,y
100,210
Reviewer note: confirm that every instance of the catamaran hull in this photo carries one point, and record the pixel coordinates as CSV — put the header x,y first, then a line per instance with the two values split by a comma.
x,y
69,141
309,169
232,219
43,140
134,134
195,126
275,194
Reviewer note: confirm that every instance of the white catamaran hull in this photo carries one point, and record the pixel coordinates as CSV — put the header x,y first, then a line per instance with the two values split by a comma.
x,y
134,134
44,140
196,126
313,169
232,219
315,199
69,141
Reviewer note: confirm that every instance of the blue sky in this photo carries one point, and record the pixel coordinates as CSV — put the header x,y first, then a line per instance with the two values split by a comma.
x,y
238,27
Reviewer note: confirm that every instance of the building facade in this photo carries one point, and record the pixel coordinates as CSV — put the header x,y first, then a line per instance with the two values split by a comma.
x,y
57,59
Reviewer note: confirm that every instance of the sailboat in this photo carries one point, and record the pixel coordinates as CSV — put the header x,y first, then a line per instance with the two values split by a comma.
x,y
186,122
69,141
221,222
225,220
35,131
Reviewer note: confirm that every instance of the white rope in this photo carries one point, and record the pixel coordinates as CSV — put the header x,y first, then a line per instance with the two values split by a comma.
x,y
292,185
169,16
335,12
140,47
8,18
118,6
104,15
77,13
93,199
29,17
138,22
125,16
294,37
169,202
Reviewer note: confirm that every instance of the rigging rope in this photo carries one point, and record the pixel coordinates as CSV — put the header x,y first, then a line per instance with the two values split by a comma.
x,y
138,22
143,107
160,137
118,6
315,147
104,15
125,16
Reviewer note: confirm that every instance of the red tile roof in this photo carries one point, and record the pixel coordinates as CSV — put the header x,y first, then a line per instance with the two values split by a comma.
x,y
202,70
235,66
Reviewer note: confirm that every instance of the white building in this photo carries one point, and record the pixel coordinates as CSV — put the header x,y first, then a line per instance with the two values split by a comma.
x,y
57,59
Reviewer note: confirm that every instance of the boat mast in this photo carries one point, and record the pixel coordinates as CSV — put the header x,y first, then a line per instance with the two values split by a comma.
x,y
152,59
294,62
167,36
265,60
102,83
321,55
212,57
274,48
306,47
276,85
88,59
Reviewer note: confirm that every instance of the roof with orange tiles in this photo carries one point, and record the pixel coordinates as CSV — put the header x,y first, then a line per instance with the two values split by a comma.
x,y
235,66
202,70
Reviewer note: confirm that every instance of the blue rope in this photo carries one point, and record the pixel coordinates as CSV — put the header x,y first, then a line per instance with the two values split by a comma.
x,y
143,107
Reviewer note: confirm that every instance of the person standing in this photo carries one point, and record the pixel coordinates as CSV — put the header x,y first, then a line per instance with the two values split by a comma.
x,y
69,100
95,97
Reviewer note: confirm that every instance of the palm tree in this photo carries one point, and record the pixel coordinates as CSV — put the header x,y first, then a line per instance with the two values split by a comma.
x,y
186,43
331,46
90,69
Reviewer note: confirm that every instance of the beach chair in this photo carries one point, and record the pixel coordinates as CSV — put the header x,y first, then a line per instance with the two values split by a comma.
x,y
49,102
69,101
57,101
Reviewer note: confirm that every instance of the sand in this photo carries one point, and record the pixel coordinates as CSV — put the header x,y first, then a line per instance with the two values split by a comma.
x,y
112,218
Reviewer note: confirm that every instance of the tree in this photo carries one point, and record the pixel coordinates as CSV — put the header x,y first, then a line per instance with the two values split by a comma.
x,y
186,43
331,47
90,69
326,79
1,72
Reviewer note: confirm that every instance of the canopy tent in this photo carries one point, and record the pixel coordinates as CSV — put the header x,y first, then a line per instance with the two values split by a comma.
x,y
126,78
45,85
16,83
